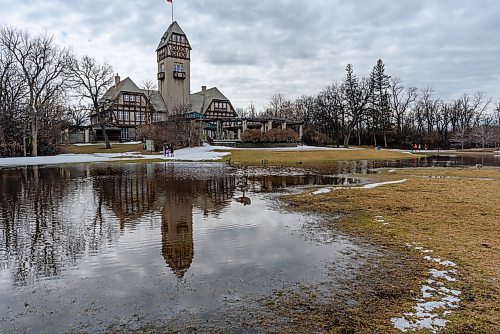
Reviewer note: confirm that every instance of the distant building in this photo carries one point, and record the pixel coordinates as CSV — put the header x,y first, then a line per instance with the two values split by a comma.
x,y
126,106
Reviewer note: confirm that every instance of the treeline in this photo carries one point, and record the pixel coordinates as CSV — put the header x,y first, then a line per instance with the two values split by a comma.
x,y
38,79
379,110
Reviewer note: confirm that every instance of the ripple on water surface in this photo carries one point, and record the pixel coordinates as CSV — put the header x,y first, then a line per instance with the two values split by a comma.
x,y
98,246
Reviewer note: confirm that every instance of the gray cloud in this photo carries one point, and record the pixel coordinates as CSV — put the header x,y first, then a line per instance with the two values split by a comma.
x,y
252,49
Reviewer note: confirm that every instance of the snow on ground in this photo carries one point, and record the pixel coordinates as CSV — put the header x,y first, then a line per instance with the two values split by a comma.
x,y
322,191
201,153
437,301
376,185
367,186
204,153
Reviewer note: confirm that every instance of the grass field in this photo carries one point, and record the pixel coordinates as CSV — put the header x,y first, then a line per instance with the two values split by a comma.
x,y
310,158
455,212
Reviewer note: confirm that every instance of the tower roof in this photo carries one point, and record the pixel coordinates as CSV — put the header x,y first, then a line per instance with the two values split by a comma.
x,y
174,28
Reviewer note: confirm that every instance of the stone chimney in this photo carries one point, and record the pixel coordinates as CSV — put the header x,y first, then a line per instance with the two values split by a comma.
x,y
203,89
117,79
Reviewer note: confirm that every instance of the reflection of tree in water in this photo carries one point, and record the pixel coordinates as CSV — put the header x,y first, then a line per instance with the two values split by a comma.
x,y
51,217
38,236
129,191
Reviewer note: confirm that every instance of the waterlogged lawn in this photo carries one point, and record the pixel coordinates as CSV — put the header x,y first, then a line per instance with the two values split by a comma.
x,y
437,215
311,158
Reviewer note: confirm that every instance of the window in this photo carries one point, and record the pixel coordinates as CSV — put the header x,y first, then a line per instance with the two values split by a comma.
x,y
178,67
162,67
157,117
123,115
220,106
141,117
125,133
131,98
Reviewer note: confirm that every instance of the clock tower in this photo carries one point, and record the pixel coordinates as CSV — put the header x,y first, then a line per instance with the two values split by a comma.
x,y
174,57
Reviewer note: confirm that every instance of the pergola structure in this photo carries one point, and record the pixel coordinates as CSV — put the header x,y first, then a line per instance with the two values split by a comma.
x,y
231,129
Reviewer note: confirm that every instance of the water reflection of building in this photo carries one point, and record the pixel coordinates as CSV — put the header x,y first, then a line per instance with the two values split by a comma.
x,y
132,192
177,232
181,197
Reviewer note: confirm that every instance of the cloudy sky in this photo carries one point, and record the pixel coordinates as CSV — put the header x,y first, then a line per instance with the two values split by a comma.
x,y
252,49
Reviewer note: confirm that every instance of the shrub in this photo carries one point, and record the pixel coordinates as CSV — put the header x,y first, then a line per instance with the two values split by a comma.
x,y
251,136
272,136
316,138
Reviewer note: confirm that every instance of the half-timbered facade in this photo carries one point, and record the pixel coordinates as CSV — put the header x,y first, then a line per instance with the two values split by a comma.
x,y
174,67
211,103
125,106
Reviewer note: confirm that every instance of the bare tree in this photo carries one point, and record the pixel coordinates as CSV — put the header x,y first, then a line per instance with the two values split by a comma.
x,y
149,88
356,97
91,81
484,134
13,93
251,111
79,115
401,101
43,66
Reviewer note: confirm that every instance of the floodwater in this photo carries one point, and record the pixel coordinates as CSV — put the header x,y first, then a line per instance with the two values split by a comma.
x,y
168,246
99,248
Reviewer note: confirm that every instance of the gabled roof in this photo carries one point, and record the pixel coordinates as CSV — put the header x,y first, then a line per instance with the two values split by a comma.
x,y
173,28
201,101
126,85
155,99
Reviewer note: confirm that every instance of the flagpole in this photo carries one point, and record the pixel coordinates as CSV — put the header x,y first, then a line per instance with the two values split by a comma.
x,y
172,12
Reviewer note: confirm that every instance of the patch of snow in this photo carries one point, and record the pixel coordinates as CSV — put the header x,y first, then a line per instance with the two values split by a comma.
x,y
321,191
375,185
427,291
442,274
203,153
129,143
436,301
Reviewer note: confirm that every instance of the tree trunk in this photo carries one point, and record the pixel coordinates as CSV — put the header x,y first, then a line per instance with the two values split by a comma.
x,y
105,134
34,132
346,141
385,140
101,123
375,139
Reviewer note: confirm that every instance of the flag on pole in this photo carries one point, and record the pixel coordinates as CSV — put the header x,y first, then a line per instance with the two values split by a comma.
x,y
172,3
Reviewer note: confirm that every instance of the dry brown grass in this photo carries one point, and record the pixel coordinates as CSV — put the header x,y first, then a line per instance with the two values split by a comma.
x,y
311,158
457,215
100,148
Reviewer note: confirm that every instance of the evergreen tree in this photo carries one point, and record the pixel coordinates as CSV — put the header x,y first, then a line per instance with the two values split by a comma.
x,y
380,113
